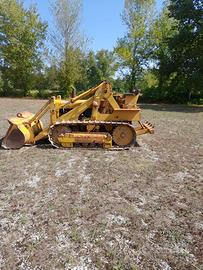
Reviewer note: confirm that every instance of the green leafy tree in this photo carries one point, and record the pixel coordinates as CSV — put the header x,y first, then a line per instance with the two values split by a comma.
x,y
186,50
99,67
164,28
106,64
51,77
68,42
134,50
70,70
22,37
1,84
93,74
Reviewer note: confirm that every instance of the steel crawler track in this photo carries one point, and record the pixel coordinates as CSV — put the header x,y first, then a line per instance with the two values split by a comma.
x,y
71,125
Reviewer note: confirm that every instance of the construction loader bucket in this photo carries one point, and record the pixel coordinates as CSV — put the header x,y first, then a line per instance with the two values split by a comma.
x,y
21,131
16,137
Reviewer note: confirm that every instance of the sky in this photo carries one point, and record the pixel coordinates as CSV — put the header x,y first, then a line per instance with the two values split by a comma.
x,y
101,20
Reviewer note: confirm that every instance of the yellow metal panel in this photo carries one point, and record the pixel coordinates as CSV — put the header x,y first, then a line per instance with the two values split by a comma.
x,y
42,134
120,115
113,103
82,137
75,113
130,101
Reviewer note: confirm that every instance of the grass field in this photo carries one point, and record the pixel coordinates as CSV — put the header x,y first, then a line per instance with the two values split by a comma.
x,y
94,209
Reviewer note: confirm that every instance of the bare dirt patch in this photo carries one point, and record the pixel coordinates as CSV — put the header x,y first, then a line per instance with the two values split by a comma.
x,y
97,209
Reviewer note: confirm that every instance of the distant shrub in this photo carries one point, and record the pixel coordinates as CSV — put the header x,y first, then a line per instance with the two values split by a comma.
x,y
33,93
17,93
1,85
198,101
151,95
1,92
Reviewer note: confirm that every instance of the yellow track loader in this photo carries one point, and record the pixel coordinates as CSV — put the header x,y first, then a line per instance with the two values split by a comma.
x,y
95,117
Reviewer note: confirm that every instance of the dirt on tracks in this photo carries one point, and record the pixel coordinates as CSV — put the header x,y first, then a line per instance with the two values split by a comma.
x,y
98,209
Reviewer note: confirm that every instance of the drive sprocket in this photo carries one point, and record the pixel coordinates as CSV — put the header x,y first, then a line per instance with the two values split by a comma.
x,y
123,135
58,130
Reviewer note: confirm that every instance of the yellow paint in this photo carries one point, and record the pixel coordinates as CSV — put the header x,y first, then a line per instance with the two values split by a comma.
x,y
73,109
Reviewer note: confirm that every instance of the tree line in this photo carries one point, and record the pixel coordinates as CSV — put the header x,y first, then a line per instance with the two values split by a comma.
x,y
161,52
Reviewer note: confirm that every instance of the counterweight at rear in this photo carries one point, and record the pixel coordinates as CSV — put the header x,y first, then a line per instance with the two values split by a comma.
x,y
95,117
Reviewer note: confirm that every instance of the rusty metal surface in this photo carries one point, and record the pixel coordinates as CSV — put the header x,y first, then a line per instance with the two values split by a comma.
x,y
149,126
68,140
123,135
57,131
13,139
